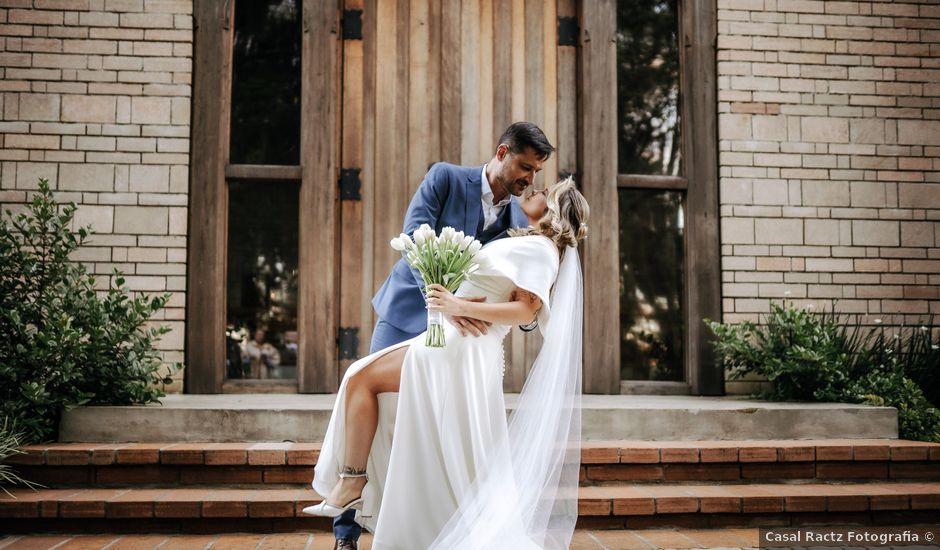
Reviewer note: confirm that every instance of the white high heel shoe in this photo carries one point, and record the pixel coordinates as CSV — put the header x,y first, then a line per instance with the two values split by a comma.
x,y
331,511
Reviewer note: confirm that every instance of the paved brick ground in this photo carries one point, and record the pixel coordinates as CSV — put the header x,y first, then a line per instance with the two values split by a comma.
x,y
584,540
645,539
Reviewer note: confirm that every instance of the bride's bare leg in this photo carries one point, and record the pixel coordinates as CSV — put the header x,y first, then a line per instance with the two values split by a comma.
x,y
362,417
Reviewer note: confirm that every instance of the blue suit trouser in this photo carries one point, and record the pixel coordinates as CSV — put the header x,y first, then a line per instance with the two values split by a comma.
x,y
383,336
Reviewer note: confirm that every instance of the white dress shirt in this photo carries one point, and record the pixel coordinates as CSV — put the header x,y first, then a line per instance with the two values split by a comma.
x,y
491,211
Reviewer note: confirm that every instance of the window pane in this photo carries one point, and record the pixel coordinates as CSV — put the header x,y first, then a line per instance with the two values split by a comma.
x,y
651,275
261,333
266,83
648,87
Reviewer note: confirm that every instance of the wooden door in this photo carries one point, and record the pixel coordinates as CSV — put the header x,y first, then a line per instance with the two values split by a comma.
x,y
439,80
617,184
263,243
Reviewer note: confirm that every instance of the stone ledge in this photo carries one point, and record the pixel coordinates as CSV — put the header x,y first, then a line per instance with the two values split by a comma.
x,y
304,418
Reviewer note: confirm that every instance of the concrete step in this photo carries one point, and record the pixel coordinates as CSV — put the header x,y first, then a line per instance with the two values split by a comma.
x,y
629,505
602,462
304,418
156,464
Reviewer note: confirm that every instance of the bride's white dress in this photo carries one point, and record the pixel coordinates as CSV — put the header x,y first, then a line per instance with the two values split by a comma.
x,y
449,415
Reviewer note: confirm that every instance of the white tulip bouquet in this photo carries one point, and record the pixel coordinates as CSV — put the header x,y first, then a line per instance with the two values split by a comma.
x,y
447,260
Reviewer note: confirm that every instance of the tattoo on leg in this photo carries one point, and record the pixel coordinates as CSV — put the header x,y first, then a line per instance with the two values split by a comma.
x,y
353,471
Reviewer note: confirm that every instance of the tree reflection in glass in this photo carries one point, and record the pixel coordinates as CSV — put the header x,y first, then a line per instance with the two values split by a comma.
x,y
262,279
648,87
651,221
266,83
651,275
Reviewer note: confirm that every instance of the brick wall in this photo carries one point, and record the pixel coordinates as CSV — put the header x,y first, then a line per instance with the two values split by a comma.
x,y
829,136
95,96
829,133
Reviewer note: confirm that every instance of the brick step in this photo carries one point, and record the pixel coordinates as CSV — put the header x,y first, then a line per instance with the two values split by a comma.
x,y
603,462
102,510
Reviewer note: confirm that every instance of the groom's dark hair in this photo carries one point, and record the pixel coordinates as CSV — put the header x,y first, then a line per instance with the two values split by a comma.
x,y
522,135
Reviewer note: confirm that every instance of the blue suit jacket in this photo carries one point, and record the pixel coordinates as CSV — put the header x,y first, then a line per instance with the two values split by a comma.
x,y
449,196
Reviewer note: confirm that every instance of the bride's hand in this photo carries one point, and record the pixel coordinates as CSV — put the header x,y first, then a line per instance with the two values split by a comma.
x,y
441,299
466,325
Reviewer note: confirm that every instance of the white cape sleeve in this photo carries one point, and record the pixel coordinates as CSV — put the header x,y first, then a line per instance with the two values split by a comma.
x,y
531,262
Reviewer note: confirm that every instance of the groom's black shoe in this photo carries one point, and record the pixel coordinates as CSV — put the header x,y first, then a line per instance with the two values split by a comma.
x,y
346,544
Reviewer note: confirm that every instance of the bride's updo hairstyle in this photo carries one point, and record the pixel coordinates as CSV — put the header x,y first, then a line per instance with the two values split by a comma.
x,y
565,218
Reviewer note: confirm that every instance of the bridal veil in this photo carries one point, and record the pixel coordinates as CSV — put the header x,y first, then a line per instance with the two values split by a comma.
x,y
526,494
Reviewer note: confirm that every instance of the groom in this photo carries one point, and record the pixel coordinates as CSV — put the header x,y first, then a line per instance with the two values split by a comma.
x,y
478,200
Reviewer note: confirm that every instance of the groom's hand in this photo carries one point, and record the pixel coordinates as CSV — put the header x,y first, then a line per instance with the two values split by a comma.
x,y
470,325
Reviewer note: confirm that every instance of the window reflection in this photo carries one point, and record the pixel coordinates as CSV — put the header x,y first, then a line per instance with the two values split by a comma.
x,y
648,87
651,275
261,334
266,83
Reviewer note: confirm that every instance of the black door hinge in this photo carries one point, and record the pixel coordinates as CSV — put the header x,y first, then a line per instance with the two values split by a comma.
x,y
348,342
568,31
352,24
350,184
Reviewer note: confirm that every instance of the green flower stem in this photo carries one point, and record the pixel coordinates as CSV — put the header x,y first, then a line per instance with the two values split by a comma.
x,y
435,337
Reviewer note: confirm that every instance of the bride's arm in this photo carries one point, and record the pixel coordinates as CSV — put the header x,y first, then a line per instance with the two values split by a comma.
x,y
521,309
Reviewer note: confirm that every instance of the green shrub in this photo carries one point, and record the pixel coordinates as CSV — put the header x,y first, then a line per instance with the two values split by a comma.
x,y
817,357
802,354
61,344
10,441
912,351
887,386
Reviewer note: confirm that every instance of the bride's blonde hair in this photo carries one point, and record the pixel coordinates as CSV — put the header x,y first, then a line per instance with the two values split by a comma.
x,y
565,219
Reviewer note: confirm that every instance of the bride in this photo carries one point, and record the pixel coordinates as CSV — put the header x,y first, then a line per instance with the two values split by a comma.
x,y
418,442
